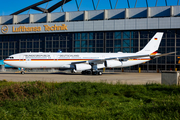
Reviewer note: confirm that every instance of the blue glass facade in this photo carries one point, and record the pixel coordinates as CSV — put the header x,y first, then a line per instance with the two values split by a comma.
x,y
110,41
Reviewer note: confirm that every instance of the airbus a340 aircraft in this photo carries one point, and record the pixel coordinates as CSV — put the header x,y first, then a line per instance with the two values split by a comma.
x,y
87,63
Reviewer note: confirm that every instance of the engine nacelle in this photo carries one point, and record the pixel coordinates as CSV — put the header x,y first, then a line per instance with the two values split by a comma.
x,y
81,67
113,63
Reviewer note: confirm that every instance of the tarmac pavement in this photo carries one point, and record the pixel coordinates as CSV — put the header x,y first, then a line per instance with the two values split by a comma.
x,y
113,77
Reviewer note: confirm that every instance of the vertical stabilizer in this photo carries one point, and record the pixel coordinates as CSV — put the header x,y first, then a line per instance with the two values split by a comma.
x,y
153,44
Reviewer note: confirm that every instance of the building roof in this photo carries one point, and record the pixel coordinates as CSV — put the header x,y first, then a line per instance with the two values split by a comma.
x,y
95,6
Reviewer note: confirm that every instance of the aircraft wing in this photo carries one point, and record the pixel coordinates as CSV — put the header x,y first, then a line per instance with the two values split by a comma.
x,y
100,61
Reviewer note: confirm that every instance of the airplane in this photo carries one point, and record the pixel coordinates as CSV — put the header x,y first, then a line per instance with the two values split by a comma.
x,y
86,63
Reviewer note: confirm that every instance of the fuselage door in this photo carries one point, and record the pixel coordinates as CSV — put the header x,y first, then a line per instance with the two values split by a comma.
x,y
21,58
55,58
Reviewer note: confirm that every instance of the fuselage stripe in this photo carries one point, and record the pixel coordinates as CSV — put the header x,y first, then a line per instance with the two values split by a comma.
x,y
48,60
64,59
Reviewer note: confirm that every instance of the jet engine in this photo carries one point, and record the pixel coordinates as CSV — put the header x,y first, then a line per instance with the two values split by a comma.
x,y
81,67
113,63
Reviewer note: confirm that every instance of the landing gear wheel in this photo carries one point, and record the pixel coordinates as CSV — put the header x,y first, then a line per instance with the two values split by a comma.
x,y
95,73
99,73
22,72
89,73
84,72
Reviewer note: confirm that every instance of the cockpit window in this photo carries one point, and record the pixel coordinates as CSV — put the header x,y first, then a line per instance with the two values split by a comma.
x,y
11,57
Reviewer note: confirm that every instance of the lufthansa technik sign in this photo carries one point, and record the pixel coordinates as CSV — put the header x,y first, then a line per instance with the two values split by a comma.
x,y
5,29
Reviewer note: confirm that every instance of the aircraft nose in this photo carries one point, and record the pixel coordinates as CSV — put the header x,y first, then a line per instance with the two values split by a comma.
x,y
5,61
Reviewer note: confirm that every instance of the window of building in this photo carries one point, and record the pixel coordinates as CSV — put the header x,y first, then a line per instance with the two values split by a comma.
x,y
84,36
36,45
76,50
84,43
170,42
99,43
5,52
29,45
77,36
55,44
91,36
109,43
126,50
91,49
109,35
48,44
117,50
76,43
5,45
83,49
126,35
126,43
0,45
91,43
109,50
99,35
99,49
117,43
117,35
62,44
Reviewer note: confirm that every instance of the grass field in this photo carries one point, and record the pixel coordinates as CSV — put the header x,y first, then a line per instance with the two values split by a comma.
x,y
85,100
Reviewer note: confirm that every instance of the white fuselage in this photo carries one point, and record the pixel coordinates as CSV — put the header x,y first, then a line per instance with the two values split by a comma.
x,y
66,60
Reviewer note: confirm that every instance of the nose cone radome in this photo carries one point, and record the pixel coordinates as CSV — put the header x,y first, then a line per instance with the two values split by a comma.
x,y
7,61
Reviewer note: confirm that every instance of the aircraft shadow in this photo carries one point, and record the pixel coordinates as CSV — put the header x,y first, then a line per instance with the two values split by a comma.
x,y
57,73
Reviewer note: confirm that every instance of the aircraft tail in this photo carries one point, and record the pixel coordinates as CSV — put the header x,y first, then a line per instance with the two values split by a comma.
x,y
153,44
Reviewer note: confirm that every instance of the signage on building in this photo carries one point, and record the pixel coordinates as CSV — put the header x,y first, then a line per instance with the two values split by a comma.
x,y
55,27
25,29
5,28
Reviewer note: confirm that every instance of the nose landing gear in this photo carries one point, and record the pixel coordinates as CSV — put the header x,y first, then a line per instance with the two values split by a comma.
x,y
22,71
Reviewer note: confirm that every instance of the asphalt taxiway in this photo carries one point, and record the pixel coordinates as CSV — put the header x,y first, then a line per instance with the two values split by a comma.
x,y
114,77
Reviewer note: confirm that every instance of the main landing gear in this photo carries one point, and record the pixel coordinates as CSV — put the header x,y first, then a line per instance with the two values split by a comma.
x,y
94,70
86,72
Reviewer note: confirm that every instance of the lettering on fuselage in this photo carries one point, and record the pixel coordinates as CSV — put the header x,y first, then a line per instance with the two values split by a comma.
x,y
67,56
49,56
37,56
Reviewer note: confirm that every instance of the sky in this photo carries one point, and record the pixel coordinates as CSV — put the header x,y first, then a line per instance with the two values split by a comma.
x,y
8,7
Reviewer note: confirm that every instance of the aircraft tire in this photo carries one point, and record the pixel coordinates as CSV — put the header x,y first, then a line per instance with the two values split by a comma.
x,y
95,73
99,73
22,72
89,73
83,72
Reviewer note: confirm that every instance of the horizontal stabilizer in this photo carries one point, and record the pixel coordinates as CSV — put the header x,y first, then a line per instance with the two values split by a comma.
x,y
161,55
